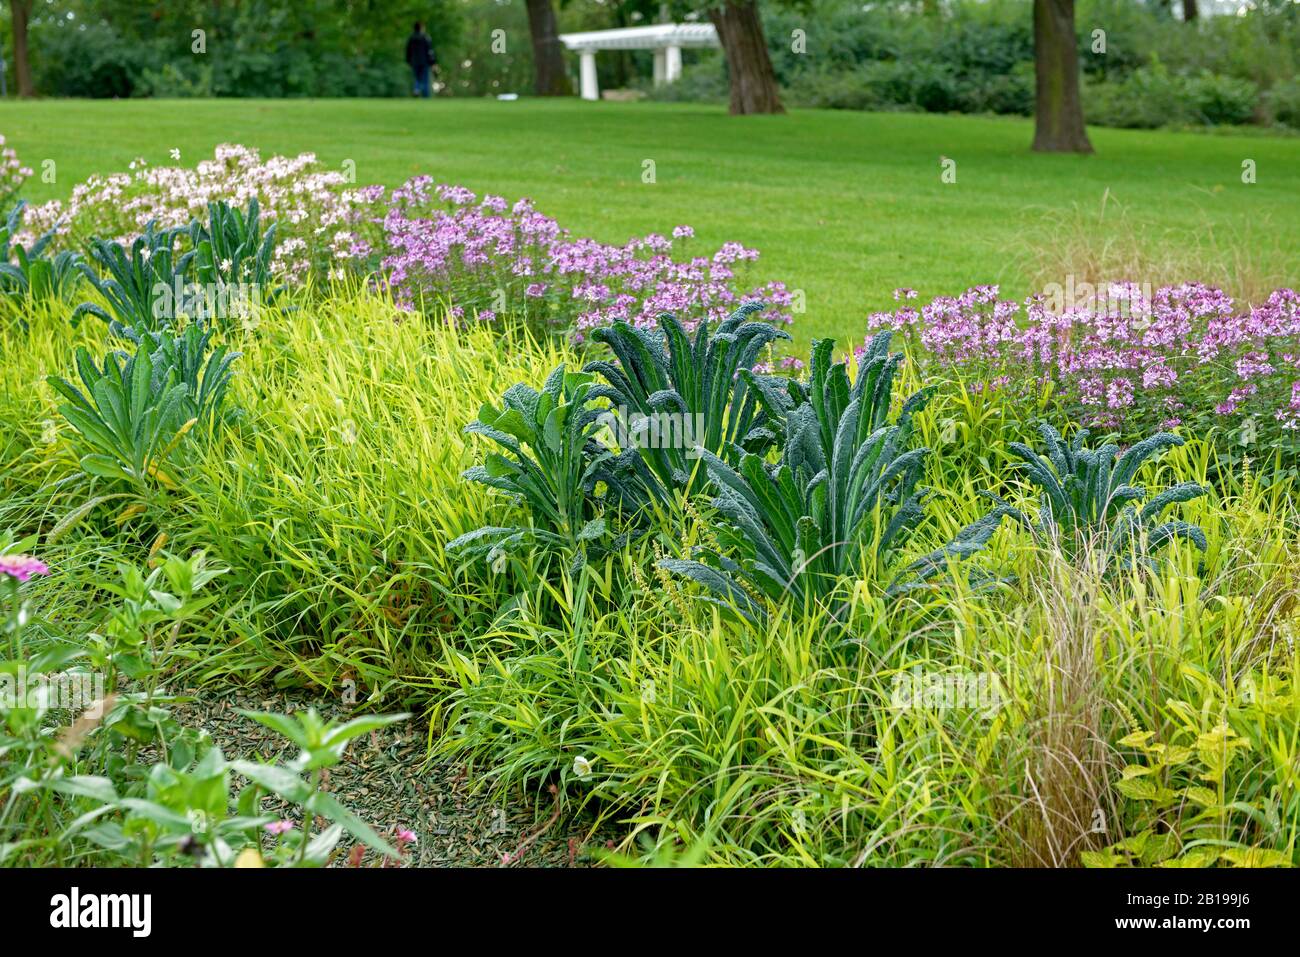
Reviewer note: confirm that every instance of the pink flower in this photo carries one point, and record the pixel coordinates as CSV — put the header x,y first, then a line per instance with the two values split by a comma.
x,y
22,567
405,836
439,244
276,828
1119,393
1158,375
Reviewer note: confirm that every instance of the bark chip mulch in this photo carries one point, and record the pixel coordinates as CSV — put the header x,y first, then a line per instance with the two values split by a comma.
x,y
388,781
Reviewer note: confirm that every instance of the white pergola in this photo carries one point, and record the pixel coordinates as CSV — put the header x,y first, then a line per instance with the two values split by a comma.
x,y
666,39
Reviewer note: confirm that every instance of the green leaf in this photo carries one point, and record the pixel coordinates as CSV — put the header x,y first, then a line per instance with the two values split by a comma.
x,y
277,780
343,733
281,724
1257,857
79,785
1140,789
326,806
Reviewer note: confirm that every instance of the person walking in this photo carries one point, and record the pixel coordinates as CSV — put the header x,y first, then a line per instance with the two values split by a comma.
x,y
421,59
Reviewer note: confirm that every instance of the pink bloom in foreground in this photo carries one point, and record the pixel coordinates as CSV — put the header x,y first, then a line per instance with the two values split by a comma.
x,y
405,836
22,567
276,828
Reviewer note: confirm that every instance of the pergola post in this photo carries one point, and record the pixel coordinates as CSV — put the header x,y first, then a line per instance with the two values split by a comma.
x,y
673,64
587,68
667,40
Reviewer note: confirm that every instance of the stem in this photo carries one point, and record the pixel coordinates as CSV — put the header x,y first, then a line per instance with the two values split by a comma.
x,y
307,816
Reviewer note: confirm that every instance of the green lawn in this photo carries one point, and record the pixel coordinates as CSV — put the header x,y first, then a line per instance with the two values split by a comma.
x,y
845,206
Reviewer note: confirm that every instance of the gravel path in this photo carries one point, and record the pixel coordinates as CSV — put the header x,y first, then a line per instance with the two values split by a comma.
x,y
386,781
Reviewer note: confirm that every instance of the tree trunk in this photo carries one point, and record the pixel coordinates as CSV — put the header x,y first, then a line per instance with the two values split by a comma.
x,y
20,12
1058,112
753,81
1190,12
548,56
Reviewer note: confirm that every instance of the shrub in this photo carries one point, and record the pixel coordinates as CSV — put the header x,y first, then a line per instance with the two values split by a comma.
x,y
89,59
977,57
1007,93
1151,97
1203,777
1220,100
1147,98
1283,103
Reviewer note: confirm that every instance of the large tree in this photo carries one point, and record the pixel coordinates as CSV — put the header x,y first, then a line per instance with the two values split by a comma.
x,y
1058,110
744,44
749,66
21,13
548,57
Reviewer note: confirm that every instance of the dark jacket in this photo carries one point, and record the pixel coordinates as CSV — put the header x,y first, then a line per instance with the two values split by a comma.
x,y
419,52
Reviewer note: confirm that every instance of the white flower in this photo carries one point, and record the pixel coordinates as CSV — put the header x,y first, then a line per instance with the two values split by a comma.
x,y
176,154
581,766
225,265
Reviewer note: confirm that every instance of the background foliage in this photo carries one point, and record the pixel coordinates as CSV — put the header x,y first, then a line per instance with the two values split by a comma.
x,y
961,56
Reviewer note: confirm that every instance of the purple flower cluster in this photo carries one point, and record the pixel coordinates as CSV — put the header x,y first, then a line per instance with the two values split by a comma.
x,y
1130,361
482,256
22,567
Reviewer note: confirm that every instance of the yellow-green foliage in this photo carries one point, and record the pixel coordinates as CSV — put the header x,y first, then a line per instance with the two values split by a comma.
x,y
330,497
1065,715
